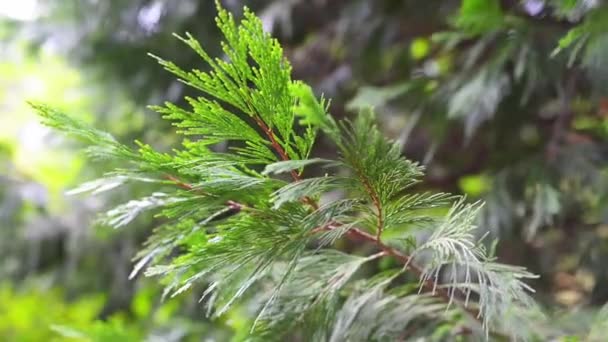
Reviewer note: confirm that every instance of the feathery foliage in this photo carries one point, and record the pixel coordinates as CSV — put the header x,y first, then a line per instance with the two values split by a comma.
x,y
233,227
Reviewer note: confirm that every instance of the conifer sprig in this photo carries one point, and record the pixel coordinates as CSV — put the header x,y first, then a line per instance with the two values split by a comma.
x,y
234,227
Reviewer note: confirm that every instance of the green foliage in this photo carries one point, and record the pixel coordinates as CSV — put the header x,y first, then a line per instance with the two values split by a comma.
x,y
21,318
588,38
420,48
248,236
370,97
256,68
479,16
99,331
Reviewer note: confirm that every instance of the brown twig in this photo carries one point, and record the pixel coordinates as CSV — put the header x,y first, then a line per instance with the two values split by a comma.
x,y
234,207
179,183
277,147
377,204
428,285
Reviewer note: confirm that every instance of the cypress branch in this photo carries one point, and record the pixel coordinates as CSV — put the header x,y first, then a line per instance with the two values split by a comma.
x,y
235,228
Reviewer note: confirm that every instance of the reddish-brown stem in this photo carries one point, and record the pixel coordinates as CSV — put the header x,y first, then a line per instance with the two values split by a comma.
x,y
275,144
179,183
376,201
279,149
234,207
428,285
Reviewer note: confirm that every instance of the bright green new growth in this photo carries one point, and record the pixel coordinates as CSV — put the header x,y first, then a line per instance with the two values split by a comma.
x,y
245,234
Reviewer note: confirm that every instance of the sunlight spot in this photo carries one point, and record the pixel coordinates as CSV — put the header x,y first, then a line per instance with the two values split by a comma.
x,y
24,10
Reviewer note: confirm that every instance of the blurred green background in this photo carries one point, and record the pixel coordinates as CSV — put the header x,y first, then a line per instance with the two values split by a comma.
x,y
503,101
